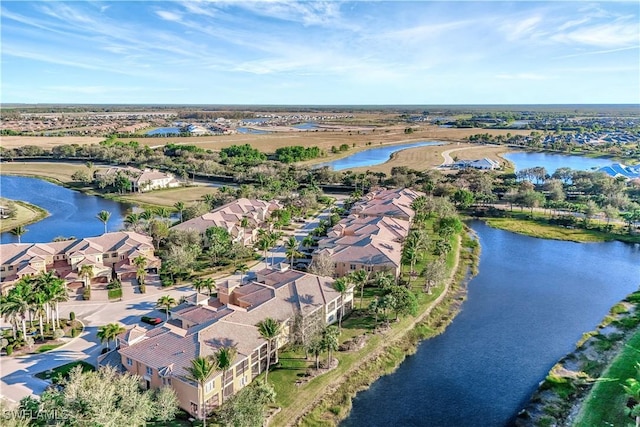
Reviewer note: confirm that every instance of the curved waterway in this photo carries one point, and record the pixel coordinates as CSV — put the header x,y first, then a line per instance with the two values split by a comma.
x,y
552,161
372,156
528,306
71,213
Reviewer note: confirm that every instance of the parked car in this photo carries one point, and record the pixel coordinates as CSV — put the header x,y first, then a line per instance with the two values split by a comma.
x,y
151,320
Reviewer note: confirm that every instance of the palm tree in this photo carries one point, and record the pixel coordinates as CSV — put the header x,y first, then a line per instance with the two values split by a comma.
x,y
86,274
200,371
242,268
341,285
360,278
163,213
104,216
18,232
132,221
291,249
315,347
147,215
166,302
180,208
16,304
210,284
269,329
110,332
55,290
263,244
330,341
308,241
224,358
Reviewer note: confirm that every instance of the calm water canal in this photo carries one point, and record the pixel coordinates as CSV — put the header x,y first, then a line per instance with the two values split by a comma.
x,y
528,306
71,213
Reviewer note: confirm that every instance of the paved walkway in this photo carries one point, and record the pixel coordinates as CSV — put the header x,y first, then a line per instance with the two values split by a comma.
x,y
17,378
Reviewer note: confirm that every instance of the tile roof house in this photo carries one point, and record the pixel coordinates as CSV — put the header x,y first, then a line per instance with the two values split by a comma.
x,y
143,180
371,237
230,217
108,254
302,302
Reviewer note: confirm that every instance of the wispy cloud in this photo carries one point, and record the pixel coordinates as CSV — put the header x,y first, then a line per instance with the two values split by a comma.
x,y
524,76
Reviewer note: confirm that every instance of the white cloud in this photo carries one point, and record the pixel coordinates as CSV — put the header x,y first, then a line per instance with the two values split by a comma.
x,y
523,76
169,16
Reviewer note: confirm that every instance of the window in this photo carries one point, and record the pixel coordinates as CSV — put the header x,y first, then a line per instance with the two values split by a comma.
x,y
1,268
194,408
208,387
243,381
149,371
129,362
352,267
10,267
115,254
105,255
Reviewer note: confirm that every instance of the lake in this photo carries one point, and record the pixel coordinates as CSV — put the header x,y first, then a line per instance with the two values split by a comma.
x,y
528,306
71,213
551,162
372,156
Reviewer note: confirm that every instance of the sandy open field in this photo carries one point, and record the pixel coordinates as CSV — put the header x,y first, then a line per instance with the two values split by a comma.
x,y
429,157
324,139
47,141
60,171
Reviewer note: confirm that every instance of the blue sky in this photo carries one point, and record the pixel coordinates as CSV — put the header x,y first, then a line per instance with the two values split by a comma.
x,y
315,52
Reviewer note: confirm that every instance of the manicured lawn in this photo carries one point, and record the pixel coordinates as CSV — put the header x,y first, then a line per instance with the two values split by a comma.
x,y
64,370
47,347
606,401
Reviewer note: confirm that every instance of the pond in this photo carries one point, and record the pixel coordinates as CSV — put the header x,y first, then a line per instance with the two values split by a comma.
x,y
373,156
551,162
71,213
251,131
528,306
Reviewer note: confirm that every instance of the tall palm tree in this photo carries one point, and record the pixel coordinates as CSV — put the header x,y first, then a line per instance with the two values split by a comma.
x,y
308,241
315,347
264,244
18,232
86,274
201,369
242,268
166,302
55,290
291,249
330,341
269,329
104,216
224,358
341,285
179,206
360,278
110,332
163,213
132,221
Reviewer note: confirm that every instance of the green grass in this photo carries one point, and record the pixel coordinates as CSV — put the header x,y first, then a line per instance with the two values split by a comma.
x,y
63,371
606,401
48,347
352,374
535,228
114,293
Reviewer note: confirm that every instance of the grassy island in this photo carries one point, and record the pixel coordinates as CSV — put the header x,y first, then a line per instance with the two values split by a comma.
x,y
23,214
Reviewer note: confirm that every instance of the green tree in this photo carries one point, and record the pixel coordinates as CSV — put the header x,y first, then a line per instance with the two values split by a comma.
x,y
19,231
270,329
463,198
224,358
360,278
242,268
104,216
200,371
404,301
291,249
166,404
330,341
179,207
247,408
166,302
341,285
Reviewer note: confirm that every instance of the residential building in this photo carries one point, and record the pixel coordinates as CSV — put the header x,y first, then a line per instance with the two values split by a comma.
x,y
481,164
241,218
303,303
110,255
371,237
142,180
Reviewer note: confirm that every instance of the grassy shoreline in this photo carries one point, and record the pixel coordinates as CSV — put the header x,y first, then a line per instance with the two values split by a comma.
x,y
27,213
327,399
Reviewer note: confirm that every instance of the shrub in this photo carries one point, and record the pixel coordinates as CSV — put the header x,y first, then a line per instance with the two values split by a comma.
x,y
59,333
9,350
74,332
86,295
72,316
114,293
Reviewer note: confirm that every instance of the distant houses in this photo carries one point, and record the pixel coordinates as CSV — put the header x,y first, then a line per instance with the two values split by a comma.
x,y
303,303
619,170
110,255
241,219
371,237
141,180
480,164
